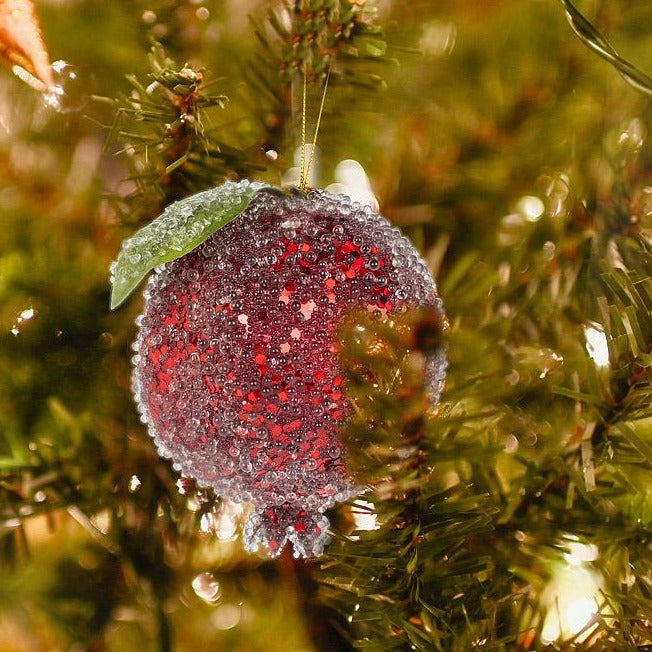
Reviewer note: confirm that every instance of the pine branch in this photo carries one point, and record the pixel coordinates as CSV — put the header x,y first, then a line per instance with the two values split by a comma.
x,y
587,479
413,580
327,35
170,150
337,39
624,442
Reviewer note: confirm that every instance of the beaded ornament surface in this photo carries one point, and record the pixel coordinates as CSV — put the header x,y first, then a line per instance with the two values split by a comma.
x,y
236,370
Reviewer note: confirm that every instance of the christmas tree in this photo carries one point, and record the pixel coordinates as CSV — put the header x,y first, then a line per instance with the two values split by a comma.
x,y
508,141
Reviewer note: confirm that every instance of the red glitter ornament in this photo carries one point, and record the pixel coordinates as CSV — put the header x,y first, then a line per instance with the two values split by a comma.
x,y
236,371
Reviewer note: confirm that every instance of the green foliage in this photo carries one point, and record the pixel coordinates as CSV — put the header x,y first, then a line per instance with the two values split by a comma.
x,y
319,37
516,161
334,43
416,579
172,152
471,531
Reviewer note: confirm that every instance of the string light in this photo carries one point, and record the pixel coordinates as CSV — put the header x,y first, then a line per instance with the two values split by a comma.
x,y
573,596
530,207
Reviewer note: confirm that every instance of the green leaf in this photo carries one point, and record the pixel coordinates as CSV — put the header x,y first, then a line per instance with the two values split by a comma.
x,y
182,227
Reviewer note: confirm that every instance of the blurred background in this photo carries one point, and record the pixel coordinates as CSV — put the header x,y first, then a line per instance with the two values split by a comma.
x,y
492,123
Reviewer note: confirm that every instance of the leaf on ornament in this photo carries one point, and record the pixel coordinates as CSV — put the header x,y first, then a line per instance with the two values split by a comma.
x,y
182,227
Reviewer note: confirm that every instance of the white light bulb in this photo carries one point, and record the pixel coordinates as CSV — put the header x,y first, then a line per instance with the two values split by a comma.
x,y
572,600
578,553
530,207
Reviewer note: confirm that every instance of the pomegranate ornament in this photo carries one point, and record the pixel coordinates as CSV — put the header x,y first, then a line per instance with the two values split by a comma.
x,y
236,371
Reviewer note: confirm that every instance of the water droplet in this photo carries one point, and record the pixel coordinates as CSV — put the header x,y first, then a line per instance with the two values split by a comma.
x,y
149,17
530,207
207,587
70,91
227,616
